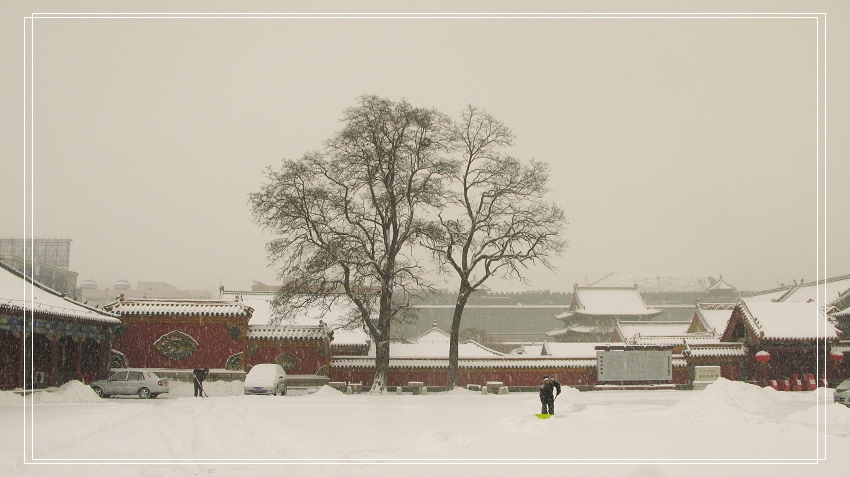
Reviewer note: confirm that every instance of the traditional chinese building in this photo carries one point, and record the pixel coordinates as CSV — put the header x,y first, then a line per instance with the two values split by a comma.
x,y
53,338
783,339
595,311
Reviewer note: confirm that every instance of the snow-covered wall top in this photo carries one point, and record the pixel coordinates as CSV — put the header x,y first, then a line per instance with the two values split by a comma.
x,y
632,329
155,307
288,332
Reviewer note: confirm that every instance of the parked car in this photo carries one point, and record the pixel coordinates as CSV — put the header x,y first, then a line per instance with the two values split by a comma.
x,y
842,393
143,383
266,379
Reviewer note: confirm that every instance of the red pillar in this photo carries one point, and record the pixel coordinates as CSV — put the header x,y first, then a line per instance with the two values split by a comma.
x,y
54,355
79,358
100,374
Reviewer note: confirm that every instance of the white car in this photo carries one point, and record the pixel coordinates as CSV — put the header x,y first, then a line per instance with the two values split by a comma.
x,y
266,379
842,393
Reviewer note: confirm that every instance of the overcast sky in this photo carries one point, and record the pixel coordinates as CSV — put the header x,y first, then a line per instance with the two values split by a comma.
x,y
678,146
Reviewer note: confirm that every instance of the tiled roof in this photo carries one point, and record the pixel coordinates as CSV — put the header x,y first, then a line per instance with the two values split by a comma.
x,y
715,316
155,307
659,283
676,340
511,362
632,330
21,293
826,291
716,350
610,301
767,295
787,320
434,343
720,285
288,332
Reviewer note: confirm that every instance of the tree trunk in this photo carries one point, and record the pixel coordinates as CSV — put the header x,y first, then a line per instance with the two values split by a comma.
x,y
382,364
382,342
462,297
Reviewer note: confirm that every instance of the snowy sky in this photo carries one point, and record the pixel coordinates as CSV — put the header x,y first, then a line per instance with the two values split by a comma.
x,y
677,146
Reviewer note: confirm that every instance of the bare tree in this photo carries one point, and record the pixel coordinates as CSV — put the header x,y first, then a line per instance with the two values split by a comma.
x,y
347,217
498,223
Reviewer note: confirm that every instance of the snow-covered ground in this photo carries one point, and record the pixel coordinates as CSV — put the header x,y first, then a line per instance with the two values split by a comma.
x,y
729,429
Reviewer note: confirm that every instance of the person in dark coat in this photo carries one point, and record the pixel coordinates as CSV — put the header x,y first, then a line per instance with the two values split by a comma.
x,y
200,376
548,395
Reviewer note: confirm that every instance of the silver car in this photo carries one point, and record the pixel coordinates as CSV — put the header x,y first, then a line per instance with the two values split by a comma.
x,y
842,393
143,383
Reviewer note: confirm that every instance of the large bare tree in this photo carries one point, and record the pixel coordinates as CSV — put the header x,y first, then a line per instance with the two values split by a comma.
x,y
498,222
346,217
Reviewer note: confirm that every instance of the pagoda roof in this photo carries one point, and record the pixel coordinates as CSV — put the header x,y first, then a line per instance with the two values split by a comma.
x,y
609,301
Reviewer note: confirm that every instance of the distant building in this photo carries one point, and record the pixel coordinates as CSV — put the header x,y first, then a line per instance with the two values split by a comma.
x,y
46,260
595,311
92,293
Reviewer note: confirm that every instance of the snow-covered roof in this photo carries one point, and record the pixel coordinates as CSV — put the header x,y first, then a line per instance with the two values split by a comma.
x,y
767,295
170,307
703,350
629,331
24,294
826,292
659,283
609,301
288,332
714,316
706,338
720,285
434,343
473,363
570,350
528,350
336,317
787,320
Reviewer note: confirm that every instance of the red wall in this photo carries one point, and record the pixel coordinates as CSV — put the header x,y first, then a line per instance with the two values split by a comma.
x,y
313,354
214,342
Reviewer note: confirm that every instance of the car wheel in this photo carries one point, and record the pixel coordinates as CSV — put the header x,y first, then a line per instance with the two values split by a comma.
x,y
144,393
275,392
284,391
99,392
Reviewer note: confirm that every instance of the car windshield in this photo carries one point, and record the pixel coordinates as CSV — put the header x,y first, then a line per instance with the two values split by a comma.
x,y
263,372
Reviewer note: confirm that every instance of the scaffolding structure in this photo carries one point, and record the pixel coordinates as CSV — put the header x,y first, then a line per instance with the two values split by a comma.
x,y
54,252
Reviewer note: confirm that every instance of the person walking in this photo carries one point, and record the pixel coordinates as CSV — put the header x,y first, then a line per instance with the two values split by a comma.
x,y
548,395
200,376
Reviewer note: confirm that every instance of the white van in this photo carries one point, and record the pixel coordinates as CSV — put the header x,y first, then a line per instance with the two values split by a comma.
x,y
266,379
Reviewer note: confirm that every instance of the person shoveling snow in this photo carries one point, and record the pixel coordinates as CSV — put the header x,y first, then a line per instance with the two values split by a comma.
x,y
548,395
200,375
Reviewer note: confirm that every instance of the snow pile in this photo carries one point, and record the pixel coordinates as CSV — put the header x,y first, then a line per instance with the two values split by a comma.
x,y
834,418
70,392
211,388
8,398
725,399
327,391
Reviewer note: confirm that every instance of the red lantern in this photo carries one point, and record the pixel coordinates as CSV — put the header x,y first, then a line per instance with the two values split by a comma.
x,y
762,357
836,357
